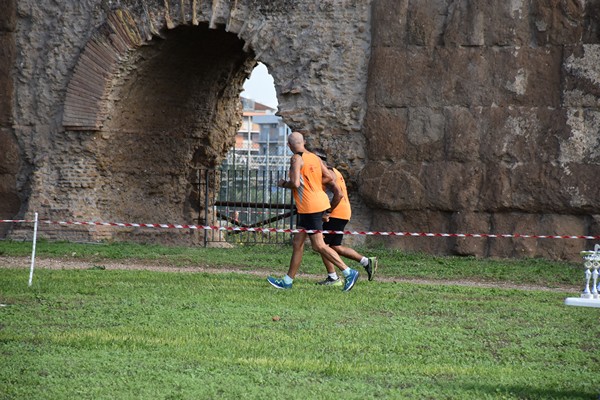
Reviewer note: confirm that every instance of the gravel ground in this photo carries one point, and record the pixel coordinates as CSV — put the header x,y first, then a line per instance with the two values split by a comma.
x,y
58,263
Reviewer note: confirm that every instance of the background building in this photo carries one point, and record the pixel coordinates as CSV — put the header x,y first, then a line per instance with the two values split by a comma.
x,y
261,141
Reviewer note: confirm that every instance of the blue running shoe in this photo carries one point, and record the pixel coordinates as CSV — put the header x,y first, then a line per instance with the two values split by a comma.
x,y
279,283
350,280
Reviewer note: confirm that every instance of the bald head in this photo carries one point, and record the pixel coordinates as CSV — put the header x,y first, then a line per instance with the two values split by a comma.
x,y
296,142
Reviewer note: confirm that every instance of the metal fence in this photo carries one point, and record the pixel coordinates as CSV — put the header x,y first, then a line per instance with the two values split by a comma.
x,y
245,198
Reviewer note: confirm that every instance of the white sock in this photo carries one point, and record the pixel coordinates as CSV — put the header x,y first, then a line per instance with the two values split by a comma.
x,y
364,261
333,276
346,272
287,280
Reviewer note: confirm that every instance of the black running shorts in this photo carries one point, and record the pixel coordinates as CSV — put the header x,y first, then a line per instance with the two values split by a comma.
x,y
312,221
334,224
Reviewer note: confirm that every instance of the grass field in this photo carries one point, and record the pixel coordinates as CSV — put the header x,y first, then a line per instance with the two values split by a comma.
x,y
98,333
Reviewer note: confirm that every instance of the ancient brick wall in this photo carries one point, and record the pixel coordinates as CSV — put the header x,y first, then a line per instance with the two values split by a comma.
x,y
119,101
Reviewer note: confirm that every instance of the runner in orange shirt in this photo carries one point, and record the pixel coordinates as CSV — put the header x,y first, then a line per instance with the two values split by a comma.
x,y
307,175
336,220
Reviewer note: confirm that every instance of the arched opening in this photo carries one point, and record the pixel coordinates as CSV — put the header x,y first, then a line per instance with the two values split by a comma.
x,y
261,140
174,109
260,87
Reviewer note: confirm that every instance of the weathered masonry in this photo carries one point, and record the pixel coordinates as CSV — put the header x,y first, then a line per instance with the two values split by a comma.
x,y
446,116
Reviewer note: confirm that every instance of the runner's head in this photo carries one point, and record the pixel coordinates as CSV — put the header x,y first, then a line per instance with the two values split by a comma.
x,y
296,142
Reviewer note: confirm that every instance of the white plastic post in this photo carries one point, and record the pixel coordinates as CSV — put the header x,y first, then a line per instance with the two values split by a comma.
x,y
587,294
35,226
595,266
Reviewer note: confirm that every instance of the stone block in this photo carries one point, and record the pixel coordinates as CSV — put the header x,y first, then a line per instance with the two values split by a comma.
x,y
541,188
581,85
417,136
412,222
513,223
525,76
581,143
557,23
591,33
450,186
484,23
499,76
538,225
481,23
559,225
466,24
470,223
426,22
426,128
395,83
579,187
462,140
513,135
391,186
446,186
391,145
423,134
389,23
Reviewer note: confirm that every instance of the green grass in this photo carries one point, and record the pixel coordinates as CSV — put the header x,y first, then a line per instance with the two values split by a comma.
x,y
114,334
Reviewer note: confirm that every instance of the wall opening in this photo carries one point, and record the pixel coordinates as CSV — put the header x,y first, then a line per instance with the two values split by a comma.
x,y
260,87
261,141
174,109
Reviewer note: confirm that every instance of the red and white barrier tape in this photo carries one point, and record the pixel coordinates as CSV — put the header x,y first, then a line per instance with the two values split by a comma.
x,y
277,230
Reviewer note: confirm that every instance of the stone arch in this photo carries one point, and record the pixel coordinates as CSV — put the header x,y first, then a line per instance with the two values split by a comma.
x,y
108,53
161,104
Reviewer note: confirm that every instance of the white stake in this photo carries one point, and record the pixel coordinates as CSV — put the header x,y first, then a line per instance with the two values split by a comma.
x,y
35,225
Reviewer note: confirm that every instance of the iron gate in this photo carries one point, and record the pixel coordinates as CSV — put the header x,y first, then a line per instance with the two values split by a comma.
x,y
245,199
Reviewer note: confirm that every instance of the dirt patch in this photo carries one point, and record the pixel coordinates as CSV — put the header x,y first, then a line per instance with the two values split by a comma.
x,y
137,265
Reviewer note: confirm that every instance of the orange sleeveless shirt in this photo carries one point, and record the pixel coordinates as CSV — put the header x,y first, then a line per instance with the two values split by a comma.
x,y
310,196
343,210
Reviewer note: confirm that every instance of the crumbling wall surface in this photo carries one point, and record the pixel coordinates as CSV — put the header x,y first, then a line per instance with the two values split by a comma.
x,y
483,117
9,154
48,39
151,91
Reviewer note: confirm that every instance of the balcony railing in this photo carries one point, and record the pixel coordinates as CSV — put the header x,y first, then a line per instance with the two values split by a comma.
x,y
255,162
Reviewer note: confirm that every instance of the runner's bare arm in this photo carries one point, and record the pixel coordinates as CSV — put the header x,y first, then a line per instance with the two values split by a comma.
x,y
296,164
338,195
